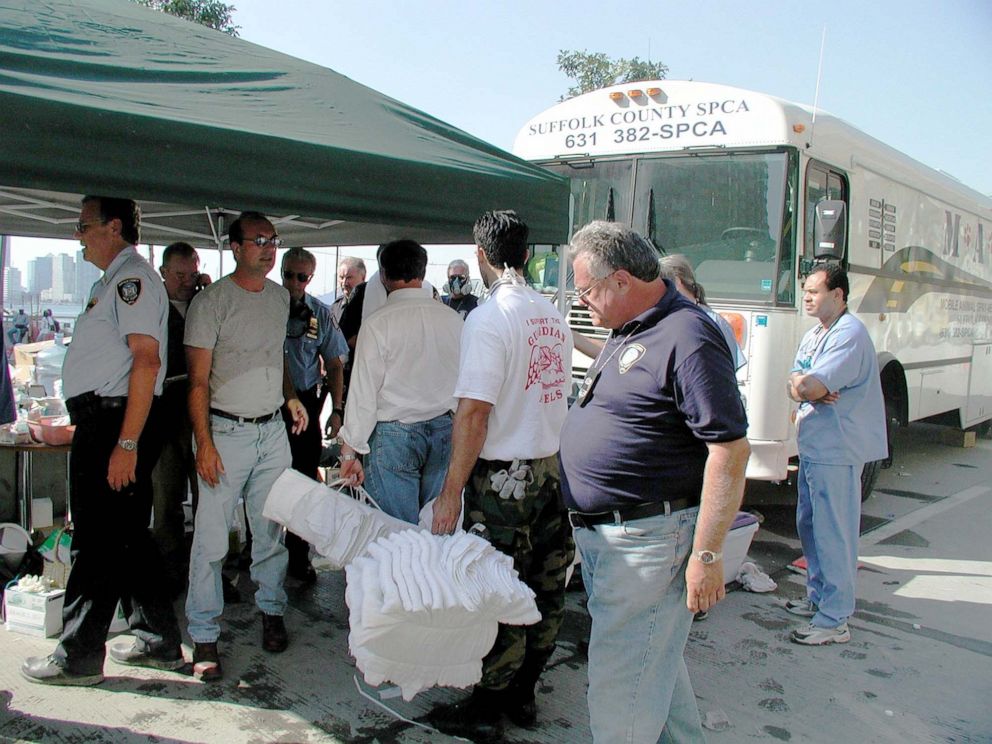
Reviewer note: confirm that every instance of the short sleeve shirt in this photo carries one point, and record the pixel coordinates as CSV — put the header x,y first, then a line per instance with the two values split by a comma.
x,y
128,298
667,387
308,340
850,431
245,330
516,353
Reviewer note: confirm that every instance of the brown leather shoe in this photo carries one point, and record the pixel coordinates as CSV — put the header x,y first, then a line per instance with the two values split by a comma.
x,y
206,662
274,636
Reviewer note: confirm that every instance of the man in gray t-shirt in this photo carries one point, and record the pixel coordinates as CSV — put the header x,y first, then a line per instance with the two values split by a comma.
x,y
238,381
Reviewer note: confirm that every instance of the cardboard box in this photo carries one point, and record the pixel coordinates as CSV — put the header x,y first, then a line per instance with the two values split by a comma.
x,y
34,613
42,513
737,543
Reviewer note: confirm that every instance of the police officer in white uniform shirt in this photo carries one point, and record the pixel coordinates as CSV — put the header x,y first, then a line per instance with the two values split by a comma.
x,y
113,371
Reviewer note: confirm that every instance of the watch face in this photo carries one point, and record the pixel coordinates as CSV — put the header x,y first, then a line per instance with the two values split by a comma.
x,y
707,557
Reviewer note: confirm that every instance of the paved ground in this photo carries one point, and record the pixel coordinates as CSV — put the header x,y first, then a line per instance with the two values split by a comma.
x,y
917,669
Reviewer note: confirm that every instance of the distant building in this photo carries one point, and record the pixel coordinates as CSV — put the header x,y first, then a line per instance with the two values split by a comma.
x,y
86,275
40,274
13,291
63,278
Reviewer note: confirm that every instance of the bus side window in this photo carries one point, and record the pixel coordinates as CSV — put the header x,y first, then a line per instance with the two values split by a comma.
x,y
822,184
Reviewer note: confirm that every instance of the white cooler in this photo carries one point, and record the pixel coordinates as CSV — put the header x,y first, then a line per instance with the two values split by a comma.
x,y
736,545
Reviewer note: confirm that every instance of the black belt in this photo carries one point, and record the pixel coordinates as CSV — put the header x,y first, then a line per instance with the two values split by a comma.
x,y
80,406
628,513
244,419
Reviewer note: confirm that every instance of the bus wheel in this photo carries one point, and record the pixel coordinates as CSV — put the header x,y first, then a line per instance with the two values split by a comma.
x,y
869,474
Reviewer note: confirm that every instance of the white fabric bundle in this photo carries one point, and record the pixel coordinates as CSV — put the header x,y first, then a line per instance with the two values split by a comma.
x,y
338,526
424,609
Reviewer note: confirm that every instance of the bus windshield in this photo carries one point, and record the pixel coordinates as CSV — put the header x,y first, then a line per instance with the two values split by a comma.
x,y
723,212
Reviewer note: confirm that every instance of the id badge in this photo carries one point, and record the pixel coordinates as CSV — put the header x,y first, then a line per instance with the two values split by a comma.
x,y
588,385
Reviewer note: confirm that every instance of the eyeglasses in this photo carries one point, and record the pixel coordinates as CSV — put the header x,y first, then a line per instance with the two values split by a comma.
x,y
81,226
580,293
261,241
299,275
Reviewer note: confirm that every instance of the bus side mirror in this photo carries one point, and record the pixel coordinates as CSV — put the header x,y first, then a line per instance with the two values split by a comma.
x,y
830,230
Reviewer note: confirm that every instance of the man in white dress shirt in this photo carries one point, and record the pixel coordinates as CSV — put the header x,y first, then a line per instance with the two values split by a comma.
x,y
402,389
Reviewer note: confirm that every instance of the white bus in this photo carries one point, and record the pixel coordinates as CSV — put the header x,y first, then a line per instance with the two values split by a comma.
x,y
754,190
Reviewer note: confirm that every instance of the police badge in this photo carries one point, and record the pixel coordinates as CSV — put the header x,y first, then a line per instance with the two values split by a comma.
x,y
129,290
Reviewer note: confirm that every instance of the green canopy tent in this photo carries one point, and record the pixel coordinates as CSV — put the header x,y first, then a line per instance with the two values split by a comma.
x,y
104,96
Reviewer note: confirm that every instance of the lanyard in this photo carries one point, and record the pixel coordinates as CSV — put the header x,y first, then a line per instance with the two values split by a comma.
x,y
819,339
593,375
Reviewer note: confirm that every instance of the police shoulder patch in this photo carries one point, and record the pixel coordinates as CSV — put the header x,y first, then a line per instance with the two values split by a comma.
x,y
630,356
129,290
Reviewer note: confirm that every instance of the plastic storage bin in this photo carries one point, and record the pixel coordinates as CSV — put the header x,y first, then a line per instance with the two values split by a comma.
x,y
736,545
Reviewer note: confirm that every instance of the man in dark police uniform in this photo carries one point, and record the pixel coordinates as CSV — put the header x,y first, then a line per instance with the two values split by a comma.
x,y
113,370
654,490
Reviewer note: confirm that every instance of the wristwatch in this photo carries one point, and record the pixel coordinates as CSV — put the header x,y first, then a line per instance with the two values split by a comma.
x,y
128,445
706,557
347,458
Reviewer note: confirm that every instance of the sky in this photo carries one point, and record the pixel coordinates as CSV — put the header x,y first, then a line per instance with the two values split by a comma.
x,y
913,74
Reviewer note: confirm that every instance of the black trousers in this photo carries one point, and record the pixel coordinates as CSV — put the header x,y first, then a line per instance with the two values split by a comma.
x,y
305,448
114,556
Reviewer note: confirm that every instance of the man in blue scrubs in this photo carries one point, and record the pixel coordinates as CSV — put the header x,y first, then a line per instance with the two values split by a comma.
x,y
841,426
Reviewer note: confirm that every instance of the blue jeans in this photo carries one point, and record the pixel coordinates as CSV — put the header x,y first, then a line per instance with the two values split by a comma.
x,y
639,689
254,456
406,464
828,519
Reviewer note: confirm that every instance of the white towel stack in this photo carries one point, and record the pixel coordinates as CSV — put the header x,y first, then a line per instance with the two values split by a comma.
x,y
424,609
338,526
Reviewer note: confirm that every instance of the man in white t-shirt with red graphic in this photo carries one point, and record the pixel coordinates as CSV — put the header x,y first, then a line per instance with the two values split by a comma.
x,y
516,361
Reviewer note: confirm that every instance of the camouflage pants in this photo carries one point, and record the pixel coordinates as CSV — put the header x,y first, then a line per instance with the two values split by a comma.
x,y
535,532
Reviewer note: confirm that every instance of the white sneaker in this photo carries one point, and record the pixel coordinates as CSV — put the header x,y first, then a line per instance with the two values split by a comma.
x,y
811,635
801,607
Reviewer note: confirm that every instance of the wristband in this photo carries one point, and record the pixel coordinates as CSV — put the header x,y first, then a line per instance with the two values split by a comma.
x,y
347,458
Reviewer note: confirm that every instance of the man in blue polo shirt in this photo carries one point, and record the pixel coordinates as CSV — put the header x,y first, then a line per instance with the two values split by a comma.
x,y
840,426
312,338
654,491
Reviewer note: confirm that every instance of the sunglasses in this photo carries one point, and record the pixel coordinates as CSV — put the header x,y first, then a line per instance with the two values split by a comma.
x,y
300,276
262,241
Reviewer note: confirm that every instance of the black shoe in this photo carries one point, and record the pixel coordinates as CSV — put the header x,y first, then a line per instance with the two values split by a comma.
x,y
274,635
477,717
206,662
231,593
519,700
127,653
45,670
306,575
521,710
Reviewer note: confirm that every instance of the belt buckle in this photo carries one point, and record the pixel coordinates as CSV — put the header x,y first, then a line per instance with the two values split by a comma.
x,y
576,521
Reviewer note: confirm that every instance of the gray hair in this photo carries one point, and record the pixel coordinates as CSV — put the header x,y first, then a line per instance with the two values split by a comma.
x,y
459,264
353,262
677,266
610,246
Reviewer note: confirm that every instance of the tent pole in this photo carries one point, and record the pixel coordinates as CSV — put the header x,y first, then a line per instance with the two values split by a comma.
x,y
4,260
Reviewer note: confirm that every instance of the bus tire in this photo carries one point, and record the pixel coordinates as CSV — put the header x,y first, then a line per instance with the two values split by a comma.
x,y
869,475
